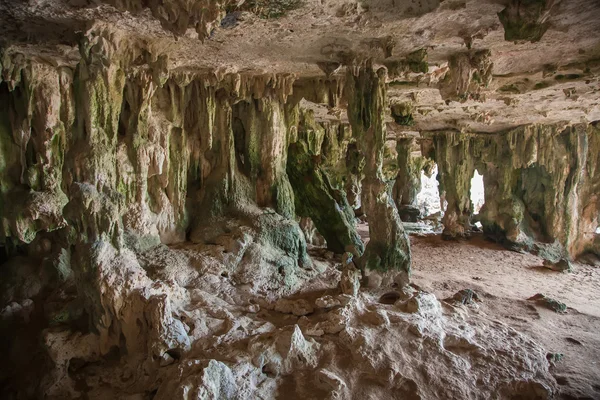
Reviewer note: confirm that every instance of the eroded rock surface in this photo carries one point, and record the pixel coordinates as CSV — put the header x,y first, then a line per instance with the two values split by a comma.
x,y
210,345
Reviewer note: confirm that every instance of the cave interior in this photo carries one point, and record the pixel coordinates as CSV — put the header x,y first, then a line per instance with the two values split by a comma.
x,y
300,199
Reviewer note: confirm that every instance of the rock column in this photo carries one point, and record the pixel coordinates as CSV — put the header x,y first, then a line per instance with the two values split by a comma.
x,y
455,170
388,248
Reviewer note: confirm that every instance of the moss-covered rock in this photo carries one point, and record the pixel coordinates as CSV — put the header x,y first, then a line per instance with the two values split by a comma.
x,y
316,198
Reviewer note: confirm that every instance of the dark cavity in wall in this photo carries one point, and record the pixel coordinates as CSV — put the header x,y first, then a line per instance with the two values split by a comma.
x,y
240,139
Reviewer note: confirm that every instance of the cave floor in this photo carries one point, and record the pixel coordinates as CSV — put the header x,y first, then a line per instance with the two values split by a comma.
x,y
504,280
367,348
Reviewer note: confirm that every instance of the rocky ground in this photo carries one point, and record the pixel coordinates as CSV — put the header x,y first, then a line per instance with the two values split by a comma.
x,y
234,335
504,280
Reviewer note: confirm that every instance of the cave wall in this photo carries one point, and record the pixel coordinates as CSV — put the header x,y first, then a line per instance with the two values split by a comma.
x,y
110,157
114,155
541,185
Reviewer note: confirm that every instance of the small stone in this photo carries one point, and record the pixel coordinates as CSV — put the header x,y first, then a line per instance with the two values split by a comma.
x,y
465,296
327,302
549,303
422,303
166,359
562,265
253,308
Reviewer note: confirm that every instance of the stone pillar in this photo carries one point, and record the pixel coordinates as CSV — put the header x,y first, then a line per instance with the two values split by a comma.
x,y
317,198
388,248
455,171
408,180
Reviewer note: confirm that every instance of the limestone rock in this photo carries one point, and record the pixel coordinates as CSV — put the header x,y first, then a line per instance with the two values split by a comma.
x,y
422,303
549,303
327,302
284,351
297,307
562,265
464,297
350,280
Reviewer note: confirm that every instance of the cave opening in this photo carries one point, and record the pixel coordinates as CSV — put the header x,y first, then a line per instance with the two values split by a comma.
x,y
428,198
477,192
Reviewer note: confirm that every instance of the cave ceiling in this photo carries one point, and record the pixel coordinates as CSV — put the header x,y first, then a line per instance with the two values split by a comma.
x,y
480,65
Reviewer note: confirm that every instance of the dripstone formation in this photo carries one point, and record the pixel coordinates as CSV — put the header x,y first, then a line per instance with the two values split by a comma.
x,y
183,186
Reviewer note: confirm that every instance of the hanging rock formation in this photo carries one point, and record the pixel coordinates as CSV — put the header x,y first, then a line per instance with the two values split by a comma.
x,y
526,19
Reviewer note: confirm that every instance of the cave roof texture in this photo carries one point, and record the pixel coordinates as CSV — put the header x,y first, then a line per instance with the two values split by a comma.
x,y
465,65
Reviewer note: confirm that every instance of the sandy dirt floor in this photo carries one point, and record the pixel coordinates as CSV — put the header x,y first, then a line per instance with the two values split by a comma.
x,y
504,280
